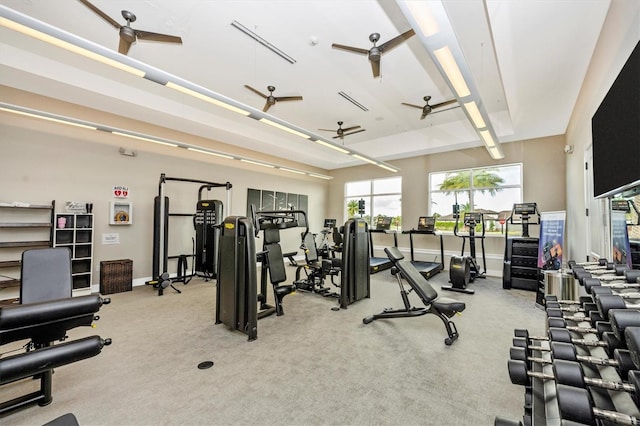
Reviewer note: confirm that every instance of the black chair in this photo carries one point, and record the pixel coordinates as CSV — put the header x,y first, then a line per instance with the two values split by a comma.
x,y
442,307
274,261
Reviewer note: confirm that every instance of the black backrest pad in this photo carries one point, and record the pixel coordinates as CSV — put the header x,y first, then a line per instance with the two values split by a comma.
x,y
311,253
393,254
277,273
271,236
46,274
419,284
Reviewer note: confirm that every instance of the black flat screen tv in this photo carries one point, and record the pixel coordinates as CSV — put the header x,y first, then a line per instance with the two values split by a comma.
x,y
616,133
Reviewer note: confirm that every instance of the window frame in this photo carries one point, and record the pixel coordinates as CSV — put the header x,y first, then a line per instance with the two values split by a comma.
x,y
369,197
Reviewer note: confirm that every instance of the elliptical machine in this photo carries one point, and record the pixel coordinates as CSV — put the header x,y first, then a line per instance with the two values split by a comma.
x,y
464,269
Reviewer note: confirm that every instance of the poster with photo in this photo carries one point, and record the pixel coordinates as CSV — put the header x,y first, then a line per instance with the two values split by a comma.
x,y
551,240
620,239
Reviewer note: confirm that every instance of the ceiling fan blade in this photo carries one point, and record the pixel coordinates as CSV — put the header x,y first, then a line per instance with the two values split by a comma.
x,y
350,49
288,98
445,103
412,105
124,46
328,130
101,14
267,105
146,35
353,133
446,109
424,114
339,136
388,45
348,129
375,67
256,91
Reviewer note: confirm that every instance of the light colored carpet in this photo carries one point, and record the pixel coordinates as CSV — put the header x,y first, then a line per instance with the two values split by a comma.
x,y
312,366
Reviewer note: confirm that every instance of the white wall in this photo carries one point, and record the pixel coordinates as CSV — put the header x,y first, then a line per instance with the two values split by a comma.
x,y
620,34
39,166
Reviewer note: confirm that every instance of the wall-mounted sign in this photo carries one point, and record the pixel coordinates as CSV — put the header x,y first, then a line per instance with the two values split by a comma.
x,y
120,191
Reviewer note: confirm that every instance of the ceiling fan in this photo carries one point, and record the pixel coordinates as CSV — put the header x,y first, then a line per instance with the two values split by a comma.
x,y
129,35
428,109
375,53
271,100
341,133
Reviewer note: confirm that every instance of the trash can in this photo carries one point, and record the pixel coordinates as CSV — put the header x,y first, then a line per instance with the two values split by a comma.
x,y
560,284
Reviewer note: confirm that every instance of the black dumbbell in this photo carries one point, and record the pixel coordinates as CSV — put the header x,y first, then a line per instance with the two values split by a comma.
x,y
631,279
600,262
576,405
620,273
621,360
609,341
607,302
593,316
570,373
600,326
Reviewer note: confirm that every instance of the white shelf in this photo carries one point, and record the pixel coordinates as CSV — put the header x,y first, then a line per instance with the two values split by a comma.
x,y
77,235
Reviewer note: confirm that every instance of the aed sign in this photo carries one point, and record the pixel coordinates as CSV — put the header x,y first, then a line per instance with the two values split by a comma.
x,y
120,191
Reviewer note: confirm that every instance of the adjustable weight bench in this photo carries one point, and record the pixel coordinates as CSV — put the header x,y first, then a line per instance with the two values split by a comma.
x,y
443,307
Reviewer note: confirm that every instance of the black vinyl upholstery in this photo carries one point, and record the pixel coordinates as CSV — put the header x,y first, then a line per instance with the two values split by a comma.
x,y
45,275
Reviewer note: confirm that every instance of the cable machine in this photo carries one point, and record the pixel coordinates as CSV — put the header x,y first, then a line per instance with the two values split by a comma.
x,y
206,221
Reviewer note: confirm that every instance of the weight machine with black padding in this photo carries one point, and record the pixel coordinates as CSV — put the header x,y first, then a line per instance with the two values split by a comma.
x,y
43,322
237,289
355,278
206,222
270,222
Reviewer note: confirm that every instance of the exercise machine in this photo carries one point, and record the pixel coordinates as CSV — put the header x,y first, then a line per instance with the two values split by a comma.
x,y
426,226
272,257
377,264
355,278
520,267
464,269
44,322
443,308
237,289
206,222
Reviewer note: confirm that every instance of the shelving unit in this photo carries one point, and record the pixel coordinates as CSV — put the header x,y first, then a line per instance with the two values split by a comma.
x,y
23,226
77,235
521,265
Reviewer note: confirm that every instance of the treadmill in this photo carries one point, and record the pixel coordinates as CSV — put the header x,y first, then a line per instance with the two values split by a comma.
x,y
426,226
377,264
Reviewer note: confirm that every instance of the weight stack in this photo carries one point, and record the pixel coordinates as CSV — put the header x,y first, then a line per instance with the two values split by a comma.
x,y
116,276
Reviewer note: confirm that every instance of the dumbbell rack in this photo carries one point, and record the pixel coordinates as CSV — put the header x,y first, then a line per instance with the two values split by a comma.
x,y
540,399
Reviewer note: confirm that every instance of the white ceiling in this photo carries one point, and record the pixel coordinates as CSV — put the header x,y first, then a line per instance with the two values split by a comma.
x,y
528,59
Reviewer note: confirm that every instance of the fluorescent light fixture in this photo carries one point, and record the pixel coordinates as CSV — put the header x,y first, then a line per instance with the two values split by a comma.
x,y
205,98
263,42
202,151
31,32
44,117
360,157
450,67
144,138
388,168
425,20
257,163
329,145
320,176
292,171
285,128
495,153
475,115
486,137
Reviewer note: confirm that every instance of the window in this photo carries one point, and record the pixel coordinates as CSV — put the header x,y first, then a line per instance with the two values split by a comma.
x,y
382,197
489,190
